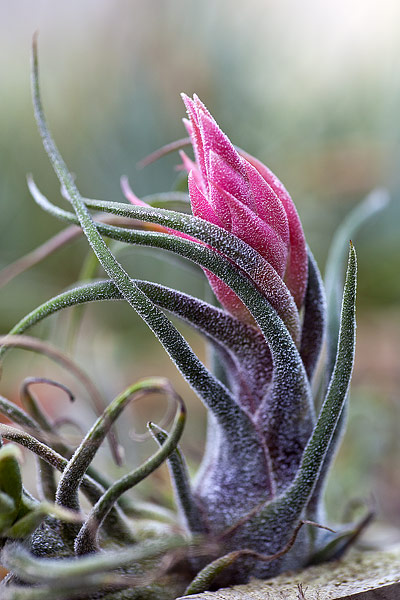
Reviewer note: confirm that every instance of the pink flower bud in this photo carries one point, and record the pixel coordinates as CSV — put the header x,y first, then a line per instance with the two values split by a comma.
x,y
239,193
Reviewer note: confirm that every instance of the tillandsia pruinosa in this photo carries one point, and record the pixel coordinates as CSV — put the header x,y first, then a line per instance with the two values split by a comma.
x,y
255,507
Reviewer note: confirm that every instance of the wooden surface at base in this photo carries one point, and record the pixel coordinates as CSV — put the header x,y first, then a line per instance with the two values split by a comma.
x,y
360,576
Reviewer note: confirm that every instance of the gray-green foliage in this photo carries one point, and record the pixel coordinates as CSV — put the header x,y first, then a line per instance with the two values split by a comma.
x,y
272,441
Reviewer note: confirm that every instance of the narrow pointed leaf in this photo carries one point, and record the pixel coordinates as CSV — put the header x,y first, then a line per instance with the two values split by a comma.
x,y
67,491
87,539
285,511
181,482
314,321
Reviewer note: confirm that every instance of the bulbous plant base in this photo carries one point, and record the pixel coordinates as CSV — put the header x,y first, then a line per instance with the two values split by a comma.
x,y
360,576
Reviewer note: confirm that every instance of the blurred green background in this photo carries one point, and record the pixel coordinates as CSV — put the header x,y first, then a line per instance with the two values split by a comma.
x,y
312,88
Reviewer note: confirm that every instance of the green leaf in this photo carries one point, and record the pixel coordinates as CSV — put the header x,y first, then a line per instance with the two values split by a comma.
x,y
27,524
67,491
314,321
115,524
7,507
10,483
283,512
180,478
86,541
34,569
376,201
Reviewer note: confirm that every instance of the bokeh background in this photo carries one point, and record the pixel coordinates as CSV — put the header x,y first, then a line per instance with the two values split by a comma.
x,y
312,88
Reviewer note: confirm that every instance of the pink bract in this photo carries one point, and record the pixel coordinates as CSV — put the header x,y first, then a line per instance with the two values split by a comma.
x,y
239,193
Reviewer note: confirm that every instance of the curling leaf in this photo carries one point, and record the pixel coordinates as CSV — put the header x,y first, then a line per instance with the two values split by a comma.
x,y
86,539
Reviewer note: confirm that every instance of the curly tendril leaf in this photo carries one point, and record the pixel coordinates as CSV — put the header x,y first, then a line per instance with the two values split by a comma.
x,y
31,404
115,525
35,345
37,422
86,540
67,491
282,513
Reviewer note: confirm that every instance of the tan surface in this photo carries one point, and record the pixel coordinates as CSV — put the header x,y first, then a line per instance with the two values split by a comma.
x,y
350,578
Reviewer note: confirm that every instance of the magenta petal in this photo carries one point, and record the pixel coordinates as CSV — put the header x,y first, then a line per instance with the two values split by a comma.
x,y
297,268
195,136
202,107
229,179
188,126
129,193
191,167
257,234
228,299
200,205
216,141
267,204
188,164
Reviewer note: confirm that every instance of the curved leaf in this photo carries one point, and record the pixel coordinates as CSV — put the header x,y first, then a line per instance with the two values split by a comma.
x,y
86,540
67,491
115,525
314,322
283,512
181,482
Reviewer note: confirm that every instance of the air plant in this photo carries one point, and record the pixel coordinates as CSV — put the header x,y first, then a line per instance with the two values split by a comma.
x,y
255,507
